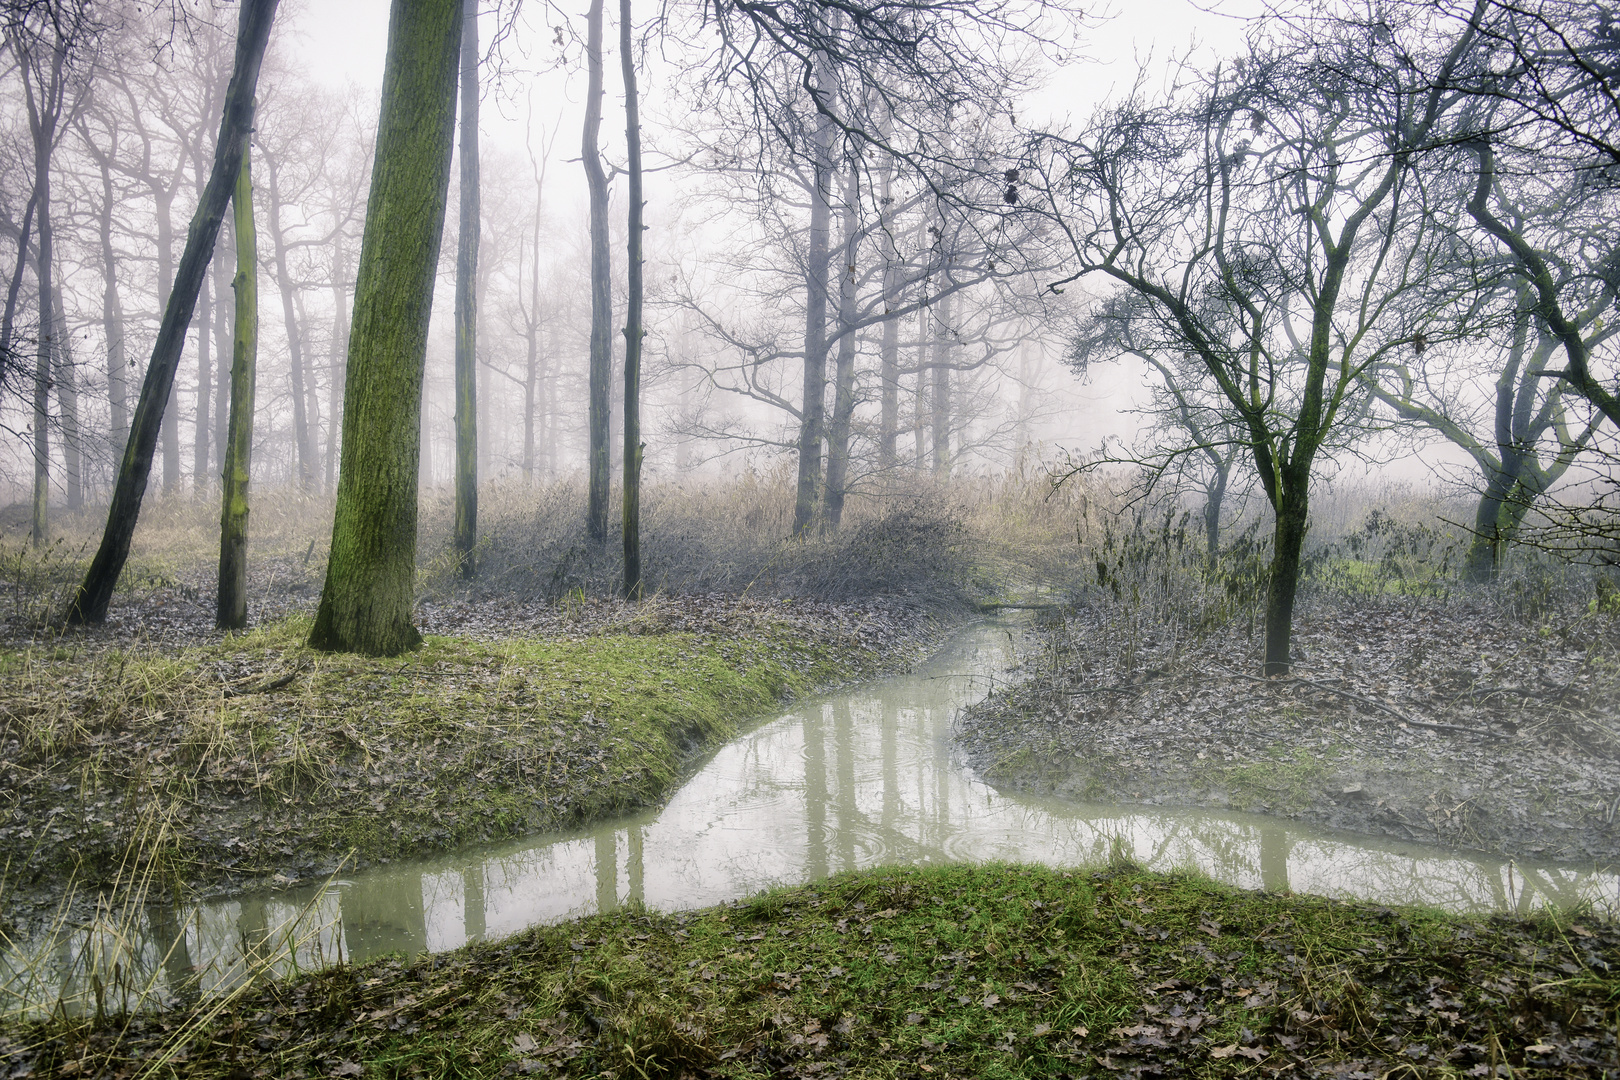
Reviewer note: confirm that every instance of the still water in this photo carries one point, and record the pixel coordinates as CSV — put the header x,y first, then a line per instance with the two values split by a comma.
x,y
859,778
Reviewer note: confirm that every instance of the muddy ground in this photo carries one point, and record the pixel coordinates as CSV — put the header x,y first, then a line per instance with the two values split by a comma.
x,y
1443,721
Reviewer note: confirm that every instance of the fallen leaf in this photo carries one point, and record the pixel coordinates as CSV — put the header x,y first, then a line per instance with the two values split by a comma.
x,y
348,1068
1224,1051
991,1001
524,1043
1539,1048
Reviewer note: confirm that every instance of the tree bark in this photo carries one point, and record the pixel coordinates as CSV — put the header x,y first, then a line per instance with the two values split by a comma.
x,y
889,350
838,432
366,602
253,33
1293,517
466,523
633,447
230,612
601,362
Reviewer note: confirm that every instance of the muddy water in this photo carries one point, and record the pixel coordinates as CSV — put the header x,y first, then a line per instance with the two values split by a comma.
x,y
856,779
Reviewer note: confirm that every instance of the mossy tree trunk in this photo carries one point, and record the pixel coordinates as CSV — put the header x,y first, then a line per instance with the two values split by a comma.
x,y
466,525
253,33
632,319
366,602
601,363
230,611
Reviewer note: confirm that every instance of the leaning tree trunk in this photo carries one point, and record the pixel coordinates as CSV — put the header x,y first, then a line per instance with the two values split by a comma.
x,y
601,365
366,603
466,525
253,32
230,612
632,319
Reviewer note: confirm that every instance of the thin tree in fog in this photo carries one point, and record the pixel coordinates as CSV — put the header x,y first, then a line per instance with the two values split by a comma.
x,y
465,538
230,609
90,602
633,330
601,349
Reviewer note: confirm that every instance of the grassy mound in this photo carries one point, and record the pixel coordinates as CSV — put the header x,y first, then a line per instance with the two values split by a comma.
x,y
984,971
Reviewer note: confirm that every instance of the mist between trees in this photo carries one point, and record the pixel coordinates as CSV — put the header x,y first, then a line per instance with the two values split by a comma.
x,y
1371,228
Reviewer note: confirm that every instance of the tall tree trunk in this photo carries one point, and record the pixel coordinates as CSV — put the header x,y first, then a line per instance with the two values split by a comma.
x,y
366,603
940,392
67,407
112,315
295,343
531,361
230,611
633,333
466,525
1293,518
253,32
889,351
43,115
844,369
1213,498
919,397
334,360
601,364
205,389
812,417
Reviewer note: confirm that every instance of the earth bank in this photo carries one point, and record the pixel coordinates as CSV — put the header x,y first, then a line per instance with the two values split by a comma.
x,y
255,758
1418,718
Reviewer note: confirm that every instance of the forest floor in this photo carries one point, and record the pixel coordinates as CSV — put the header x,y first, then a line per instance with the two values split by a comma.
x,y
984,971
156,749
1423,719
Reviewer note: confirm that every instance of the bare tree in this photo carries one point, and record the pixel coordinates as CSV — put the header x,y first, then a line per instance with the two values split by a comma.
x,y
1271,223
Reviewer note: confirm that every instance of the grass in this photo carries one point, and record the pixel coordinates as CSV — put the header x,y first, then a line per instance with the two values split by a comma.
x,y
268,756
992,971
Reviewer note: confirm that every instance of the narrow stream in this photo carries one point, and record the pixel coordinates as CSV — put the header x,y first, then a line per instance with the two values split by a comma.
x,y
848,780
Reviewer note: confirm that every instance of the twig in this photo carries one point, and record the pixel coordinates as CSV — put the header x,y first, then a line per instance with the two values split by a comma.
x,y
266,687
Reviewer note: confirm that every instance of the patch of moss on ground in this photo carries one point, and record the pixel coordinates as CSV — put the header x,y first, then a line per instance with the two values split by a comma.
x,y
257,755
990,971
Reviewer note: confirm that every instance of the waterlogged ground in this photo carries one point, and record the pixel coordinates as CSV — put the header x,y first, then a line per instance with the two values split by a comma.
x,y
1449,722
966,970
255,758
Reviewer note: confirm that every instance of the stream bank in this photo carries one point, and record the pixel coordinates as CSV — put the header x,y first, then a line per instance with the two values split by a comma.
x,y
988,971
223,762
1421,719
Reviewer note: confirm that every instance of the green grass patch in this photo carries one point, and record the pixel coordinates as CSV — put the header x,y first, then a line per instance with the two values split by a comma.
x,y
985,971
